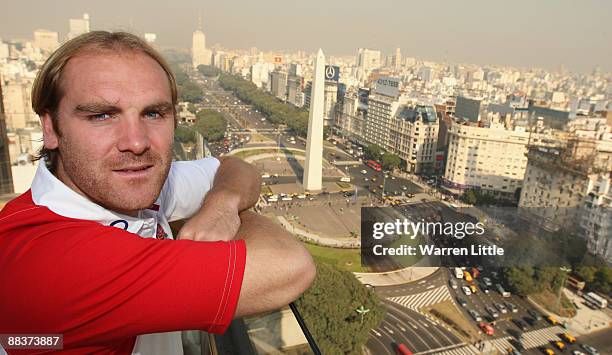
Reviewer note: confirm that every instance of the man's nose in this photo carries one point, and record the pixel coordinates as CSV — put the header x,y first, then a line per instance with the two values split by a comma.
x,y
133,135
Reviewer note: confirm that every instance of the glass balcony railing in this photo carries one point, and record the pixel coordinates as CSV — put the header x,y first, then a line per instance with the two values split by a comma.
x,y
278,332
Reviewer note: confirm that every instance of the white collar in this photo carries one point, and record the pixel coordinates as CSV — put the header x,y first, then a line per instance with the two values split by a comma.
x,y
49,191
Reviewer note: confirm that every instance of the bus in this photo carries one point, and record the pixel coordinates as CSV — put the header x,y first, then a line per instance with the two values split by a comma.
x,y
403,350
374,165
596,300
458,273
576,283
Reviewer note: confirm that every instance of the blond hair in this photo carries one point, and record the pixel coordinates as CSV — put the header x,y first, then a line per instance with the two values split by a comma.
x,y
47,90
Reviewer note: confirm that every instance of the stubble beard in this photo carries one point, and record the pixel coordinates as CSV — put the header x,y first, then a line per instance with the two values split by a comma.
x,y
96,180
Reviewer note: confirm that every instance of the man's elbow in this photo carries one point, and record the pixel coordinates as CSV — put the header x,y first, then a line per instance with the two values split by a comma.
x,y
304,273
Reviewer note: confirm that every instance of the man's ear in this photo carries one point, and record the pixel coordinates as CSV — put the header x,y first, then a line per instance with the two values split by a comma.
x,y
50,139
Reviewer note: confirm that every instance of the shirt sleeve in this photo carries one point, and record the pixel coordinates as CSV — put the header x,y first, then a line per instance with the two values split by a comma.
x,y
101,284
187,184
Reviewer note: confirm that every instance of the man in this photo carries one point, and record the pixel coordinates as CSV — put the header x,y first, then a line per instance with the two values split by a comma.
x,y
87,252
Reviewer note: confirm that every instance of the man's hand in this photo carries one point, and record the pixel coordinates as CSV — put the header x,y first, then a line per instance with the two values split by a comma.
x,y
218,219
236,188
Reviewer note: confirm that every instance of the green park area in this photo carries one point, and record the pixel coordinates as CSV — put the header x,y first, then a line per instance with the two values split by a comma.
x,y
343,259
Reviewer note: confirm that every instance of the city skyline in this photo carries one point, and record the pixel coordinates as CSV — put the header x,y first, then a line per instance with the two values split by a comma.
x,y
543,35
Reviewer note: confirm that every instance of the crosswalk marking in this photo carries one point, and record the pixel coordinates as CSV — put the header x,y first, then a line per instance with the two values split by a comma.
x,y
529,340
464,350
544,336
423,299
502,344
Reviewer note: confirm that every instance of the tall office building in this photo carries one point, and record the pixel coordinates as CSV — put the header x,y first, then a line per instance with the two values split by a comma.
x,y
382,106
396,60
47,41
6,178
368,59
78,26
313,167
278,84
200,55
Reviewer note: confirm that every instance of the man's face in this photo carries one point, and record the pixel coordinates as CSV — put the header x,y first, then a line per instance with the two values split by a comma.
x,y
116,128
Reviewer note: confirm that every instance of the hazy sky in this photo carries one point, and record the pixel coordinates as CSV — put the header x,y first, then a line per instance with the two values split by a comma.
x,y
523,33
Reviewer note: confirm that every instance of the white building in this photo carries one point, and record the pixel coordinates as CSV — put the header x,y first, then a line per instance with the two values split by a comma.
x,y
200,55
78,26
18,104
414,136
45,40
259,73
490,158
596,215
368,59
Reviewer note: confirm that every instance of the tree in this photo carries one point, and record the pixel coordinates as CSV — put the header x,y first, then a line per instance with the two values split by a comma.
x,y
276,111
211,124
329,309
208,70
521,280
373,152
587,273
470,197
390,161
184,135
550,277
603,279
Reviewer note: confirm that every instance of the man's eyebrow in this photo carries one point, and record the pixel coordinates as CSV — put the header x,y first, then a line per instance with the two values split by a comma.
x,y
96,107
163,106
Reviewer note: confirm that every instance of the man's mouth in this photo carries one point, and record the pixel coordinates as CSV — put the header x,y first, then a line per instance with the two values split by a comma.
x,y
136,170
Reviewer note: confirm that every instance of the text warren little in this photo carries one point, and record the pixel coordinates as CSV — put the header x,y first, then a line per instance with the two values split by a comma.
x,y
429,250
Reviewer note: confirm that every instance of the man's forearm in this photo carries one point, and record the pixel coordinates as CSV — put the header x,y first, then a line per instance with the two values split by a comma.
x,y
278,269
237,183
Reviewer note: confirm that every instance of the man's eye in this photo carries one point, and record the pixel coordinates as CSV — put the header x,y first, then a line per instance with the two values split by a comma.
x,y
153,115
99,117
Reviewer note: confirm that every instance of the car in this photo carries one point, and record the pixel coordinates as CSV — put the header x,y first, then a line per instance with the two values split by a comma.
x,y
475,315
552,320
559,345
520,324
530,321
473,288
404,188
466,290
364,172
513,308
537,316
568,338
486,328
487,281
265,175
589,349
366,179
374,179
484,288
453,284
492,311
501,308
462,302
548,351
578,352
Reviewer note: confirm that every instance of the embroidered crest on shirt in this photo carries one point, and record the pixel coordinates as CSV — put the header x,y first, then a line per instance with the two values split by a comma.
x,y
160,233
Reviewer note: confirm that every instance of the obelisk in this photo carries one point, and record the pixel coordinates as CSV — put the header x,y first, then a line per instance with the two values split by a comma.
x,y
313,169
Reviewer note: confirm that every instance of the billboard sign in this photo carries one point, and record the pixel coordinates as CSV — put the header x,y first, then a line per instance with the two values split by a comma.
x,y
332,73
387,86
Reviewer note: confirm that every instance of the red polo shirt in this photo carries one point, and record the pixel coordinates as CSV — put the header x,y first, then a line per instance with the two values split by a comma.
x,y
101,286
